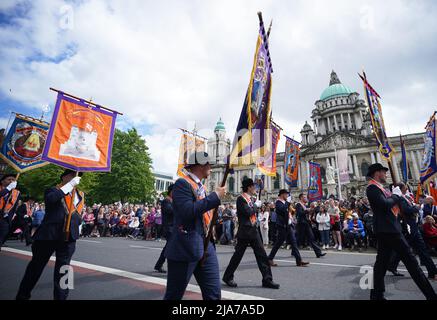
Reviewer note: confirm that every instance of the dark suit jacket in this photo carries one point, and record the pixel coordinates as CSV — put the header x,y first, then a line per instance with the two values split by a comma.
x,y
186,243
281,213
245,228
384,221
409,212
167,216
52,226
301,214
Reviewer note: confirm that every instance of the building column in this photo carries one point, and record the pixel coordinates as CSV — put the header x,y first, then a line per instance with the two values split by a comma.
x,y
416,171
342,121
335,122
329,124
317,126
349,121
419,160
395,167
327,162
334,164
372,157
357,172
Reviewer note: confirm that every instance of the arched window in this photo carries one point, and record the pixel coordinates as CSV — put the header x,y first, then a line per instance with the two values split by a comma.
x,y
323,173
277,182
364,168
231,182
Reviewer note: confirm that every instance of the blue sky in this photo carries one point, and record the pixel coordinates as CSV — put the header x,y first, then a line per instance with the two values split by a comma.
x,y
168,64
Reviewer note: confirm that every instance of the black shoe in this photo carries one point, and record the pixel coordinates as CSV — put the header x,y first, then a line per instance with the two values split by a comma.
x,y
396,273
321,255
230,283
160,270
270,284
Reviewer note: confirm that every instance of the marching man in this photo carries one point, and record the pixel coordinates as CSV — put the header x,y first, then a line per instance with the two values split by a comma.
x,y
9,196
50,237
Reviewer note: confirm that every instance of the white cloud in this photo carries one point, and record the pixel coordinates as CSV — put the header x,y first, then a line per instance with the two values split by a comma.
x,y
166,63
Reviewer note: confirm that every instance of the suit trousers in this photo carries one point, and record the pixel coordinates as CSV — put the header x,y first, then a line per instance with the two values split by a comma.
x,y
415,240
4,230
387,243
207,276
161,258
42,251
260,255
307,232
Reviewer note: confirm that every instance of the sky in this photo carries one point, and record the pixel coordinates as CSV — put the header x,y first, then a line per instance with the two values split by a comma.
x,y
170,64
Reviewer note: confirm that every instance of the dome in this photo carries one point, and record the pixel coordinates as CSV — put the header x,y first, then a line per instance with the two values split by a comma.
x,y
335,90
220,125
306,127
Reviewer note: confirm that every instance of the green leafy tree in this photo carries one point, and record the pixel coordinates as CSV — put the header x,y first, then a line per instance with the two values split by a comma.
x,y
131,177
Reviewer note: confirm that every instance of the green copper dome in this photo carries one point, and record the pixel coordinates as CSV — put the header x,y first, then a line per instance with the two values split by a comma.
x,y
220,125
335,89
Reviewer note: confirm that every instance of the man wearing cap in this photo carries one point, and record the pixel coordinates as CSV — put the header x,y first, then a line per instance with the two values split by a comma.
x,y
167,225
282,217
193,211
388,231
248,235
305,225
51,236
9,197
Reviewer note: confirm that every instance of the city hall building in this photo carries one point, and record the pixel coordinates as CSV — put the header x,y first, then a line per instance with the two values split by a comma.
x,y
340,120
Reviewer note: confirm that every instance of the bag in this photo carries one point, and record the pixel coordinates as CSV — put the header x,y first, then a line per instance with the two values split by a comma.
x,y
332,221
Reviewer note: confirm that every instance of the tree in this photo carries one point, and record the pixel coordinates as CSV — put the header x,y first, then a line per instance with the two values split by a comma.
x,y
131,177
34,183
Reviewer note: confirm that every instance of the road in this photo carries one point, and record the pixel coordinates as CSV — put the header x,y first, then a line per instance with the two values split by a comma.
x,y
122,269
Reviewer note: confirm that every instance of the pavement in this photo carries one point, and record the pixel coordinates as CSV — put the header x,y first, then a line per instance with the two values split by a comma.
x,y
122,269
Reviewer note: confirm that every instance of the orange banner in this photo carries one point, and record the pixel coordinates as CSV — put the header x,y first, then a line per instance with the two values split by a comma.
x,y
80,136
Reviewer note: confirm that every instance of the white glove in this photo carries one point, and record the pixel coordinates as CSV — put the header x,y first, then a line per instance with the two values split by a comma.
x,y
289,199
408,229
397,191
12,185
75,181
258,203
70,185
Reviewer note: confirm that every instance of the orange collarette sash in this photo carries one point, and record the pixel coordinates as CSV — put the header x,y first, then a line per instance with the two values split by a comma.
x,y
250,203
395,209
207,216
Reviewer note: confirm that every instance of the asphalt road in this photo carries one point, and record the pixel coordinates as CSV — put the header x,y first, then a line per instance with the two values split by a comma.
x,y
122,269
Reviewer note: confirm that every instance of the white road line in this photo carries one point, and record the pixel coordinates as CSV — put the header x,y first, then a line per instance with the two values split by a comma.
x,y
338,265
152,248
92,241
140,277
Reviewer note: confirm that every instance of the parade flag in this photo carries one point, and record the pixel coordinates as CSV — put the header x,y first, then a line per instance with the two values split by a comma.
x,y
189,144
342,158
251,141
24,143
80,135
291,162
378,126
315,191
428,165
404,164
267,164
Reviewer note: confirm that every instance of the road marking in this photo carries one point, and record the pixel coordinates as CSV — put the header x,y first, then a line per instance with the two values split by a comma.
x,y
92,241
338,265
140,277
144,247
